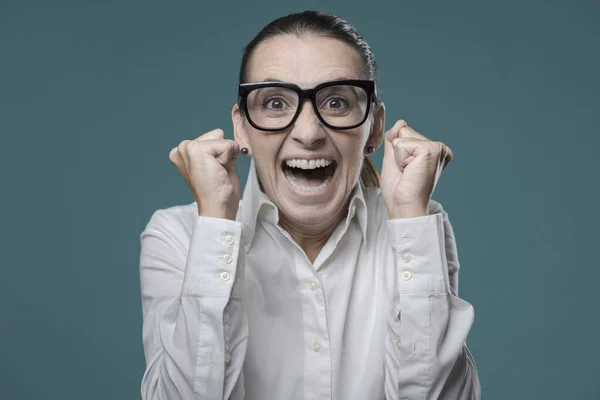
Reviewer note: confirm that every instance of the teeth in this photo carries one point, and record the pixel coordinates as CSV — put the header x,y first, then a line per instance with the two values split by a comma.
x,y
307,189
306,164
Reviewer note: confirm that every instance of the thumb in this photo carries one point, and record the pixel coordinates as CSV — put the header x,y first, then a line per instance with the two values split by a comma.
x,y
234,152
388,147
389,154
406,150
390,135
229,151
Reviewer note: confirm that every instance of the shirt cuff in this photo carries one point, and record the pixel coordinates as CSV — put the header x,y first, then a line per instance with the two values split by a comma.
x,y
213,261
418,245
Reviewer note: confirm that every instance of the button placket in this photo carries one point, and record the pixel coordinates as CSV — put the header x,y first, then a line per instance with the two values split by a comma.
x,y
225,276
316,346
405,257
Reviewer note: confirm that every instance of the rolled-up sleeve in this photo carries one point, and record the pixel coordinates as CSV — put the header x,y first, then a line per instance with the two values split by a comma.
x,y
195,327
426,355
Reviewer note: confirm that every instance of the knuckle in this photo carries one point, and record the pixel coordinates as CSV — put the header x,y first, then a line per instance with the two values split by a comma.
x,y
215,133
194,147
444,148
183,145
431,149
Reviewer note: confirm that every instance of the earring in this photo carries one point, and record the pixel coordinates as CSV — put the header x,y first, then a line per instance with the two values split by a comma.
x,y
244,151
370,150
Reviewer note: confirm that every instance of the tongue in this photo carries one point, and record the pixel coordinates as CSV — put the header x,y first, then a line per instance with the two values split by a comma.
x,y
310,177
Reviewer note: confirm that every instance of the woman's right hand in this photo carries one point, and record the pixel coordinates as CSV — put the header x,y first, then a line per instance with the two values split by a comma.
x,y
207,164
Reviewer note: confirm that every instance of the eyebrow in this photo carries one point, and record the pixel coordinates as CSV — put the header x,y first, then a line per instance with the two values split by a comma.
x,y
329,80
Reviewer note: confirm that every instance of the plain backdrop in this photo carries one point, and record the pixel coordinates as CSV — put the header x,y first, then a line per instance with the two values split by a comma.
x,y
93,95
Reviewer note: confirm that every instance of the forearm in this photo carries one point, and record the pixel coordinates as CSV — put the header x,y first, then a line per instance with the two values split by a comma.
x,y
426,356
195,340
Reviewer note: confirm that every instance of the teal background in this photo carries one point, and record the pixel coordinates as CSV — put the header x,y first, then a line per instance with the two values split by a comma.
x,y
93,95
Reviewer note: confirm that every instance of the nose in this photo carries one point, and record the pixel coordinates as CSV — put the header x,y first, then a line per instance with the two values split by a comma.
x,y
308,130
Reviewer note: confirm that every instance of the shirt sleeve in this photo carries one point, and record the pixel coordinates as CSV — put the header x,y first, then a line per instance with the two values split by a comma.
x,y
195,328
425,350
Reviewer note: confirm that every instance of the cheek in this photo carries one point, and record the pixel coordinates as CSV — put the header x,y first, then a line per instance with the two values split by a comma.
x,y
353,152
265,148
354,168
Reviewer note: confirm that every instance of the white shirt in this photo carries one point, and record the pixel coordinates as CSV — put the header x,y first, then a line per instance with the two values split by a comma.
x,y
235,310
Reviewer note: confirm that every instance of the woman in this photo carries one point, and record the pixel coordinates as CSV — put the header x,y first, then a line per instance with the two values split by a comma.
x,y
317,284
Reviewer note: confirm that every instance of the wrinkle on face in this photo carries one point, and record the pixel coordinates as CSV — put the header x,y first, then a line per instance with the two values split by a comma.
x,y
324,59
307,61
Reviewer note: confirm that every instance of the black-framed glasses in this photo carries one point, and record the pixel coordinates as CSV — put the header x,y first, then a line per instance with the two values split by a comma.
x,y
340,104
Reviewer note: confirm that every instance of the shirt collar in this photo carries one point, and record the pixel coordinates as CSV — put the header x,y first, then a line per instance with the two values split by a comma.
x,y
256,204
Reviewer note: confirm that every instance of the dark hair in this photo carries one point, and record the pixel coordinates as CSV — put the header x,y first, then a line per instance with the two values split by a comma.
x,y
318,23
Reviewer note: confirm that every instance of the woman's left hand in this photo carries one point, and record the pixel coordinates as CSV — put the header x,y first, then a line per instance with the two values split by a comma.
x,y
412,165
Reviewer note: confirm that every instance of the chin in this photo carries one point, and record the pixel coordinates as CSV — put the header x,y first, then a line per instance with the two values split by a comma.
x,y
310,191
309,214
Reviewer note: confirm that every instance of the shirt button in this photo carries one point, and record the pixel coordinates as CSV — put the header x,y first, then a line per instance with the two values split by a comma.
x,y
265,211
316,346
406,275
227,357
229,239
313,284
225,276
227,258
405,257
398,343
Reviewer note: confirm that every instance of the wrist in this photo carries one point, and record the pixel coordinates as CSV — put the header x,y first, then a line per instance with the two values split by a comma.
x,y
408,211
217,212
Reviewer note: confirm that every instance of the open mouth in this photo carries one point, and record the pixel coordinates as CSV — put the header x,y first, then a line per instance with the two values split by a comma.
x,y
309,176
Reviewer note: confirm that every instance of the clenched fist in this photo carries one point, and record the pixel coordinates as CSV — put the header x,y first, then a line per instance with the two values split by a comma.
x,y
412,165
207,164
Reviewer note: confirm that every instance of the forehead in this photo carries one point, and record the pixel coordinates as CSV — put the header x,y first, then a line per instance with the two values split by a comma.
x,y
304,60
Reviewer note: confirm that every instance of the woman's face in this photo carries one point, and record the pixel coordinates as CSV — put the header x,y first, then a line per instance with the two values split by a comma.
x,y
307,193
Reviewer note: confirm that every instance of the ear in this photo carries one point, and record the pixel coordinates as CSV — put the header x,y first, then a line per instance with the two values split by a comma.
x,y
239,132
377,127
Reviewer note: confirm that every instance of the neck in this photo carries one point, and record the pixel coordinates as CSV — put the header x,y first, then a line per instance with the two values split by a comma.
x,y
312,238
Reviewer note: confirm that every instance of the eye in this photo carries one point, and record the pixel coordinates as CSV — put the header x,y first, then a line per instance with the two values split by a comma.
x,y
336,103
274,103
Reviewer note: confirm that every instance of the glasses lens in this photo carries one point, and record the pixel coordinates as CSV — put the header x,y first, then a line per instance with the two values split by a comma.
x,y
342,106
272,107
